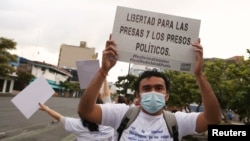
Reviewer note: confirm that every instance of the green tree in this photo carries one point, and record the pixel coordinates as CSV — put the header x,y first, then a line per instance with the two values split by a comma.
x,y
70,86
215,73
223,77
6,57
183,89
240,102
124,83
230,81
23,79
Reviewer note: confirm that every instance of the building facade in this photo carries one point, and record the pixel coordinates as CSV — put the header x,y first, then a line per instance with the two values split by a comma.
x,y
69,54
53,74
65,70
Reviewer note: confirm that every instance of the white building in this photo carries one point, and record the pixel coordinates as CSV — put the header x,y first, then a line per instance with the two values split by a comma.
x,y
52,73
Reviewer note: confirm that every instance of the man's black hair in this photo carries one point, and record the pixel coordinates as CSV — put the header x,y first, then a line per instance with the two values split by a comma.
x,y
150,73
91,125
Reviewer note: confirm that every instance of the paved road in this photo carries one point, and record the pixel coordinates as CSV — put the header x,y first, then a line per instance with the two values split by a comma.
x,y
40,127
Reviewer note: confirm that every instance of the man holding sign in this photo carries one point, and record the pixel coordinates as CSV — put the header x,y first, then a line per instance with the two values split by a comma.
x,y
152,90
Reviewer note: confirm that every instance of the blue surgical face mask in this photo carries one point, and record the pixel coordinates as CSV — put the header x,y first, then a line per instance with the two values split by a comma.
x,y
152,102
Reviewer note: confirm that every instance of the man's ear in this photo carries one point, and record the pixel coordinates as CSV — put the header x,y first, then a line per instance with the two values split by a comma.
x,y
138,96
167,97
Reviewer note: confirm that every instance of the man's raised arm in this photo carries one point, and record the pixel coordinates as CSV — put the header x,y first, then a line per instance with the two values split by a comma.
x,y
87,108
212,113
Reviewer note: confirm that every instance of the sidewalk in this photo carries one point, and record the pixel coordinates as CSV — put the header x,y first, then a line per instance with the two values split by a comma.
x,y
6,94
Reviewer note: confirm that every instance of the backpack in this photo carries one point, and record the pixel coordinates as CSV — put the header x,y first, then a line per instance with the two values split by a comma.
x,y
132,113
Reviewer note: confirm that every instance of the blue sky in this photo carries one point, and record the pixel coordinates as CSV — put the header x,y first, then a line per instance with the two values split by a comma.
x,y
41,26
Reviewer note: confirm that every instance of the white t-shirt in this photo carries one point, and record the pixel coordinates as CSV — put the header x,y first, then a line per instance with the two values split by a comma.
x,y
74,125
106,99
146,127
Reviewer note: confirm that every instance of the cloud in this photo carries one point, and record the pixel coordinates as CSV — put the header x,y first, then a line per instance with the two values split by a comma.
x,y
43,25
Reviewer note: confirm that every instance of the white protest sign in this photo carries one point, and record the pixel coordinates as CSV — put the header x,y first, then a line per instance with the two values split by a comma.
x,y
27,100
155,39
86,70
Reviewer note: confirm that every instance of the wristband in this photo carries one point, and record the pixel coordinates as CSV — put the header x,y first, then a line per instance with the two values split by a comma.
x,y
102,73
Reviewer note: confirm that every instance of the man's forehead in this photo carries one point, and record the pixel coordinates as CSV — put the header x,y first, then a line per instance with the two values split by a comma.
x,y
152,81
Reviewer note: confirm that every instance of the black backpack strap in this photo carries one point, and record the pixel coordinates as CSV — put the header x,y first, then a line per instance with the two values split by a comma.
x,y
127,119
171,124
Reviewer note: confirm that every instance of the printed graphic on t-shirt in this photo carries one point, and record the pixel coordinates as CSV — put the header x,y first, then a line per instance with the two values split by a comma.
x,y
134,133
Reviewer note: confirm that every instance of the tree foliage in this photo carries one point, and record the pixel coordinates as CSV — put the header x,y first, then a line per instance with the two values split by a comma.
x,y
67,85
23,79
215,71
6,57
183,89
124,83
230,80
240,102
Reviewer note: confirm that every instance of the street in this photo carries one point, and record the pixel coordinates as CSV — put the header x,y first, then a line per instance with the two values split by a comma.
x,y
40,127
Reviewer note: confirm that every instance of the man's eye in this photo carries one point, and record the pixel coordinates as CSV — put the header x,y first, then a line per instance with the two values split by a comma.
x,y
146,88
159,88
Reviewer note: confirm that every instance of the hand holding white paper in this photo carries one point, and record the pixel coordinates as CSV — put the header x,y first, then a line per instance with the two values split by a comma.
x,y
27,100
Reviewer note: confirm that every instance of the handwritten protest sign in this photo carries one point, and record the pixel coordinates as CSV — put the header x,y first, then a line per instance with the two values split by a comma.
x,y
155,39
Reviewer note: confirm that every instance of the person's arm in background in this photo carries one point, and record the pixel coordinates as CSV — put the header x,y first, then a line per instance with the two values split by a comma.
x,y
87,107
212,113
106,92
57,116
